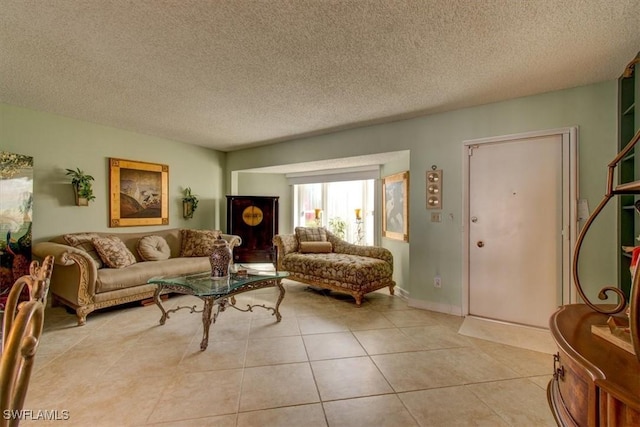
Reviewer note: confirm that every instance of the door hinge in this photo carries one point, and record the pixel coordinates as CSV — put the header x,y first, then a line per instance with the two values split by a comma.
x,y
471,147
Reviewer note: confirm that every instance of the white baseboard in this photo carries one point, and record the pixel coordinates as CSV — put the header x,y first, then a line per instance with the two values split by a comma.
x,y
400,292
435,306
512,334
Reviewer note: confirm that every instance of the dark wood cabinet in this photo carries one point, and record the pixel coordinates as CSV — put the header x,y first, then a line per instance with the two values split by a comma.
x,y
255,220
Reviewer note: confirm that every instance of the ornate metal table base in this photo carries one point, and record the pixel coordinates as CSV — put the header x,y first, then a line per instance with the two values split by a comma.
x,y
223,302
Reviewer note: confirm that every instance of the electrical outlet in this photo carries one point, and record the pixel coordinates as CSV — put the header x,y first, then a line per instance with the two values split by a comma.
x,y
437,282
436,217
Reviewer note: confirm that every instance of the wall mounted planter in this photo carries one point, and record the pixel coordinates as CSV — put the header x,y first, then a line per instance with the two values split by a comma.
x,y
82,188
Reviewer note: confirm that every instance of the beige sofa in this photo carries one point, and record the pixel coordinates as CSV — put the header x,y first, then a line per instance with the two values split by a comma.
x,y
83,282
317,257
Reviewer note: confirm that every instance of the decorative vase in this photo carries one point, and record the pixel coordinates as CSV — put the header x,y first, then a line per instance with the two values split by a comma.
x,y
220,259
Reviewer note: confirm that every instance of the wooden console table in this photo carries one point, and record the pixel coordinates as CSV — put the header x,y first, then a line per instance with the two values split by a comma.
x,y
595,383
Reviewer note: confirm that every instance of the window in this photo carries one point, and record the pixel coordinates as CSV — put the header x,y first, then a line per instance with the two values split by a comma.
x,y
334,204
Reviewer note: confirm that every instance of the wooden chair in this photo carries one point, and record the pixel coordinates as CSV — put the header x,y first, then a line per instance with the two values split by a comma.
x,y
21,330
37,281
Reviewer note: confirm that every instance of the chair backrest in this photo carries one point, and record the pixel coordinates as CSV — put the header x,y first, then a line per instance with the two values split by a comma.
x,y
37,281
42,273
22,326
19,349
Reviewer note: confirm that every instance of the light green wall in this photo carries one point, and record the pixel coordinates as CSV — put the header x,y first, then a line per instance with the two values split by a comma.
x,y
436,248
57,143
400,250
269,184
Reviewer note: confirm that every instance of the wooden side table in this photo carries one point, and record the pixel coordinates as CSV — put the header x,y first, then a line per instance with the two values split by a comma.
x,y
595,383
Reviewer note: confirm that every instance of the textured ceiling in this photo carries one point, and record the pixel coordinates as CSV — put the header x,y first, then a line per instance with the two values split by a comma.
x,y
236,73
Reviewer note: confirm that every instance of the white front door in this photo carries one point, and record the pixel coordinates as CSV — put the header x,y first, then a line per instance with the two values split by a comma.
x,y
515,224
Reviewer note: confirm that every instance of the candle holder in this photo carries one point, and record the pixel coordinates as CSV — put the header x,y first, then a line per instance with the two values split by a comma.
x,y
359,227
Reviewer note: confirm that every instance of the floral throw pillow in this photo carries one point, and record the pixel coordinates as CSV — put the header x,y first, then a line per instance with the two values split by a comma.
x,y
84,242
197,242
113,252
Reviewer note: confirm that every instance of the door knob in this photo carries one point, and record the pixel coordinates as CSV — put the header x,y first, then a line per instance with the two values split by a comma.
x,y
474,219
480,243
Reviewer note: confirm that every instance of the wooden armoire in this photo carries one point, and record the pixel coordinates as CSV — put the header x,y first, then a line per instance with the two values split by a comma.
x,y
255,220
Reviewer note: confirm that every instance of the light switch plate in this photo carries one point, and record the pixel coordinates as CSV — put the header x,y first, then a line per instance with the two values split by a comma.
x,y
583,209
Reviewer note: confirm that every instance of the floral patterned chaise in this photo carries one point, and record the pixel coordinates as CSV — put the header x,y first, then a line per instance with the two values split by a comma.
x,y
317,257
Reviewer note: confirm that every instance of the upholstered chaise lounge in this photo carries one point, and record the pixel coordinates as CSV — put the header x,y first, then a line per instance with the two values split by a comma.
x,y
317,257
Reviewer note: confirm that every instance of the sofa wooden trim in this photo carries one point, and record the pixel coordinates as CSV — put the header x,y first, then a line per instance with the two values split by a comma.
x,y
288,243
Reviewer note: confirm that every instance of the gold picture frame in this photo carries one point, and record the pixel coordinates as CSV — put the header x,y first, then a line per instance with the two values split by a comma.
x,y
138,193
395,206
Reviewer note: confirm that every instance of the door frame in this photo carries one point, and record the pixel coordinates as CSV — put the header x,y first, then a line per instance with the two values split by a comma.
x,y
569,204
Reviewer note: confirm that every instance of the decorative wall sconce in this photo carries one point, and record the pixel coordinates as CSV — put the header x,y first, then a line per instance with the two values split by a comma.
x,y
189,203
434,188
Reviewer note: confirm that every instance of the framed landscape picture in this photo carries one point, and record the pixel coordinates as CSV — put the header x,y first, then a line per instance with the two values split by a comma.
x,y
138,193
16,209
395,206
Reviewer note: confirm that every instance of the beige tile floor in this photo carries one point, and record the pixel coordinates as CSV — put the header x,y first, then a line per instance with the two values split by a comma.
x,y
328,363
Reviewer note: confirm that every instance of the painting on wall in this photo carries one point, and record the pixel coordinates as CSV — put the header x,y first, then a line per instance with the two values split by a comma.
x,y
138,193
395,205
16,202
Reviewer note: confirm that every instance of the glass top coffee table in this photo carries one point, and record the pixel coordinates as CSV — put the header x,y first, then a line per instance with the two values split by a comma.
x,y
220,292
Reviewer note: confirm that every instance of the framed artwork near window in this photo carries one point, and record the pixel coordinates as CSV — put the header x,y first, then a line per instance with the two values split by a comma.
x,y
138,193
395,206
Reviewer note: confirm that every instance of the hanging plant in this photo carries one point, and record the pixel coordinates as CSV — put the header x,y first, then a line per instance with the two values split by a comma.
x,y
82,186
189,203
